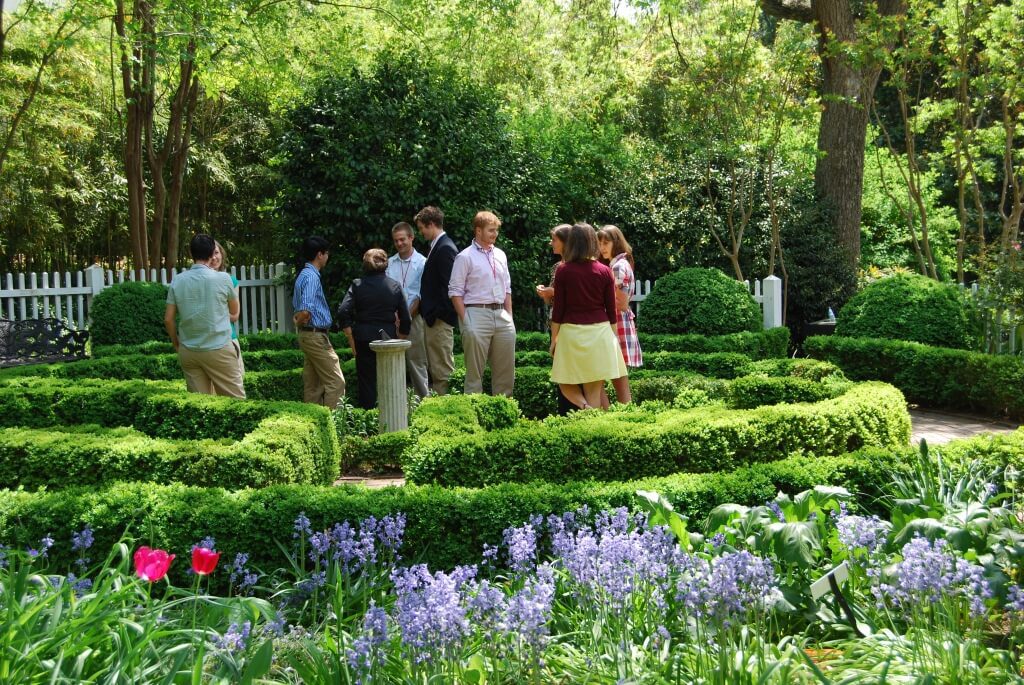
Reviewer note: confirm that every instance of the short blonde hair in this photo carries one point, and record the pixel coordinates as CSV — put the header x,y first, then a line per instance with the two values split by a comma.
x,y
486,219
375,260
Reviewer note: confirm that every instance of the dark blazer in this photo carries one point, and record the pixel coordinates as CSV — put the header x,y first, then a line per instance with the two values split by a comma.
x,y
371,304
434,301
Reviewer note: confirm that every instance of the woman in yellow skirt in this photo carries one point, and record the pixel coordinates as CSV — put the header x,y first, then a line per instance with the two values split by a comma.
x,y
584,340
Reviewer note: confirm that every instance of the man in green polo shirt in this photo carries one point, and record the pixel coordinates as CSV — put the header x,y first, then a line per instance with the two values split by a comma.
x,y
204,300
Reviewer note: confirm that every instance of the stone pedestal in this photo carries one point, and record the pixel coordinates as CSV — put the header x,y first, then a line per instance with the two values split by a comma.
x,y
391,395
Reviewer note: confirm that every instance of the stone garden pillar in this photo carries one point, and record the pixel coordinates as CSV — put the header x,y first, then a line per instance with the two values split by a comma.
x,y
392,399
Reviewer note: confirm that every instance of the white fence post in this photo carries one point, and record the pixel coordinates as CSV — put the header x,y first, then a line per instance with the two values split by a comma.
x,y
771,292
95,282
284,303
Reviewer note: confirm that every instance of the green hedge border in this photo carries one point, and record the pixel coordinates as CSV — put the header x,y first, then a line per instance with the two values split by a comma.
x,y
937,377
275,442
621,445
445,526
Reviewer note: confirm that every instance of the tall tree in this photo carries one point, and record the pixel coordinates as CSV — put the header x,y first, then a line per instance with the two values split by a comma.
x,y
850,35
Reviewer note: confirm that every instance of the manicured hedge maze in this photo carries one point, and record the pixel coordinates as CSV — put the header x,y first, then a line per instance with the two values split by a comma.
x,y
176,436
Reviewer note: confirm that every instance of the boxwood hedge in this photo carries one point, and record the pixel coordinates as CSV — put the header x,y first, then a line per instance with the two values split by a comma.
x,y
637,442
273,442
930,376
445,526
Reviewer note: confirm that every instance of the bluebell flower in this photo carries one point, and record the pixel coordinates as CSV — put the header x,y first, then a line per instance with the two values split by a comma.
x,y
861,532
44,548
777,511
928,573
242,577
1015,598
235,639
367,648
82,540
302,526
319,546
528,611
522,547
429,610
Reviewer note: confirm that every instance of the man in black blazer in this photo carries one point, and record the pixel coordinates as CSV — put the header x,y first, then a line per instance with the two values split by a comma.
x,y
435,305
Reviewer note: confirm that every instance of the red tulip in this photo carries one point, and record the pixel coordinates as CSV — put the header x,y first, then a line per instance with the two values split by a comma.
x,y
151,564
204,560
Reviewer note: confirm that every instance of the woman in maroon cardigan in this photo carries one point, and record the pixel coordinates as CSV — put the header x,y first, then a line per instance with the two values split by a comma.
x,y
584,342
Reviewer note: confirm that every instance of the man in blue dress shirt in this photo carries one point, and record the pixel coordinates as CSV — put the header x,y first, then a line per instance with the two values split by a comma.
x,y
406,267
322,380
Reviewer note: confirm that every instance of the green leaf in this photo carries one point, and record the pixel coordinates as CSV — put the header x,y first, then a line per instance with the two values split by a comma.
x,y
259,664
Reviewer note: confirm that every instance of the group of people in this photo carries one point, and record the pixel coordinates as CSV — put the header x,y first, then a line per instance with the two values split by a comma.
x,y
423,298
593,334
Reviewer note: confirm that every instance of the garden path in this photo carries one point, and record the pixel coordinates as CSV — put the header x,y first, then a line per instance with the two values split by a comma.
x,y
938,427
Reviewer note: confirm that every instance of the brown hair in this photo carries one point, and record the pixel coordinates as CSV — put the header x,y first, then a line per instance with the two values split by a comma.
x,y
375,260
581,245
612,234
486,219
430,215
561,231
402,226
223,255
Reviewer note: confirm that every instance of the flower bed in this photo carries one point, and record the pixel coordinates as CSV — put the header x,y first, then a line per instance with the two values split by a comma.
x,y
580,595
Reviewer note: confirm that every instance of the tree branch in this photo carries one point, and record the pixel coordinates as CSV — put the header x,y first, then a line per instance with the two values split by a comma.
x,y
797,10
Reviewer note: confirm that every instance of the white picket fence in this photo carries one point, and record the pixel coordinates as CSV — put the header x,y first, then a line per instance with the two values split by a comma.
x,y
265,305
265,302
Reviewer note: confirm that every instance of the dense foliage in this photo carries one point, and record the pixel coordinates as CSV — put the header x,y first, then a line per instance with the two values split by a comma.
x,y
128,314
699,301
908,307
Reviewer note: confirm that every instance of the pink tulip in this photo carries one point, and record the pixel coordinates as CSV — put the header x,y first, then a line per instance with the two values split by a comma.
x,y
204,560
151,564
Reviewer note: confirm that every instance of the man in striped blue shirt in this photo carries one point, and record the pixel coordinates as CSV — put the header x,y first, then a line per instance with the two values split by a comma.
x,y
322,380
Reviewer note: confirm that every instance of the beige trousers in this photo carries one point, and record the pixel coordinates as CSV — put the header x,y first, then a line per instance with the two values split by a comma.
x,y
489,337
213,372
440,344
322,380
416,357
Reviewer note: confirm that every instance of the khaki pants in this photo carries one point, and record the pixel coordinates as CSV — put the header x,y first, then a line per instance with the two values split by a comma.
x,y
213,372
488,337
322,380
440,343
416,357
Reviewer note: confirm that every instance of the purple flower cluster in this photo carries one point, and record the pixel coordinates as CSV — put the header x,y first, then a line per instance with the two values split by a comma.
x,y
521,543
929,573
44,548
242,578
528,611
726,588
429,609
368,648
861,532
1015,598
80,542
615,558
235,639
354,547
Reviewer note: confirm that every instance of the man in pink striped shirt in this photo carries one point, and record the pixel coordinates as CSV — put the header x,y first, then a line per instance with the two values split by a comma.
x,y
481,292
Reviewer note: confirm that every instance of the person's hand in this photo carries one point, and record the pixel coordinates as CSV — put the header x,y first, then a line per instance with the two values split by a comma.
x,y
551,348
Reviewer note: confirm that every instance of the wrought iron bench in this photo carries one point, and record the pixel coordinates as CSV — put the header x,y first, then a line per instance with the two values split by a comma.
x,y
38,341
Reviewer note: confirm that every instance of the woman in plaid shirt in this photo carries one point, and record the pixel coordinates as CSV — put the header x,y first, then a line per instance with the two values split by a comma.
x,y
617,254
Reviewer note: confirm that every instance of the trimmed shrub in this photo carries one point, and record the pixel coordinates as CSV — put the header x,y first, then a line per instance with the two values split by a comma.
x,y
128,314
453,448
445,526
756,391
248,343
276,441
930,376
699,301
908,307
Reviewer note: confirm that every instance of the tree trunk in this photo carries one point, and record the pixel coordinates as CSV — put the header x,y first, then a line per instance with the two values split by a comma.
x,y
131,76
178,166
847,87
